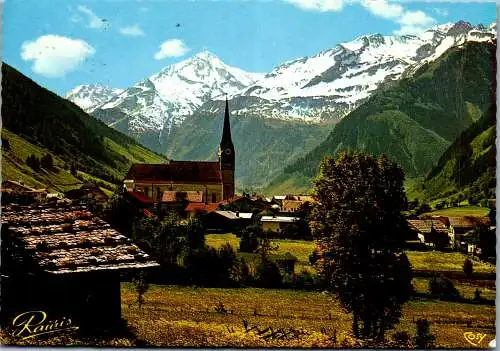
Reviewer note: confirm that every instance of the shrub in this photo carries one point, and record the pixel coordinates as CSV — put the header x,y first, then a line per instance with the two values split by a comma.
x,y
423,338
442,288
314,257
402,340
268,275
477,295
5,144
304,280
249,241
468,267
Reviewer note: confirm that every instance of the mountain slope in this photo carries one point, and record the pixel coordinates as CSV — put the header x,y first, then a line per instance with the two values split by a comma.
x,y
90,96
469,163
36,119
263,147
417,119
166,98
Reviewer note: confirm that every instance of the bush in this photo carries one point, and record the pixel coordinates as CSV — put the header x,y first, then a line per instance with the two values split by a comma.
x,y
423,338
442,288
304,280
468,267
314,257
268,275
5,144
249,241
402,340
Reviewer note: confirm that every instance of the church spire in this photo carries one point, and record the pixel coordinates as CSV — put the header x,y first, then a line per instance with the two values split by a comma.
x,y
226,132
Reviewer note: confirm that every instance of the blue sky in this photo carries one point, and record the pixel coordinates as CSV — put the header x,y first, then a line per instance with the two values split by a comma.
x,y
63,43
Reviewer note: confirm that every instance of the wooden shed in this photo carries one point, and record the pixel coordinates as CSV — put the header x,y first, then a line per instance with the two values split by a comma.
x,y
65,261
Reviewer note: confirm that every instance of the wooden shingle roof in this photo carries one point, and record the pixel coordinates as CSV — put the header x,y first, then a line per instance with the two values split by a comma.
x,y
425,225
61,240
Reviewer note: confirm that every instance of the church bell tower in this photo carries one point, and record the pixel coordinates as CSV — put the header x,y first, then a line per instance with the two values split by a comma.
x,y
227,158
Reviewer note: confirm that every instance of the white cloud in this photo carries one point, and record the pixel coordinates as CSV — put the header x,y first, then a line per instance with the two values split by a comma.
x,y
382,8
409,29
94,21
411,21
318,5
54,56
416,18
133,31
171,48
441,12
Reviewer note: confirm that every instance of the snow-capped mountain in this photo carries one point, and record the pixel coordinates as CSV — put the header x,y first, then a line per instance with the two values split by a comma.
x,y
177,91
89,96
349,73
320,88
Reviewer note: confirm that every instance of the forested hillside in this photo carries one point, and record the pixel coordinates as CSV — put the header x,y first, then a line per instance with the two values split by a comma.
x,y
414,121
37,122
467,169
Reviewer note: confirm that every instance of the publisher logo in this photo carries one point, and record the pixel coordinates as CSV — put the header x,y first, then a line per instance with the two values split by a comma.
x,y
34,323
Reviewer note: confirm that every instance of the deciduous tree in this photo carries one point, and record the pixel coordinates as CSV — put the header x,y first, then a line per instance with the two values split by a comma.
x,y
359,228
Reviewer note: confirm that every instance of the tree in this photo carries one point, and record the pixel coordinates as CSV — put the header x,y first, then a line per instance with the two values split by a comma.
x,y
47,162
249,241
443,288
423,339
73,169
359,229
468,267
33,162
5,144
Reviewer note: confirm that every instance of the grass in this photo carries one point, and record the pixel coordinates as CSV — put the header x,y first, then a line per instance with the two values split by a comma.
x,y
185,316
444,261
461,211
422,260
466,290
299,248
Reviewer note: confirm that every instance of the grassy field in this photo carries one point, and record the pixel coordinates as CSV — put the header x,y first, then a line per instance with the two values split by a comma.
x,y
466,291
461,211
425,260
185,316
444,261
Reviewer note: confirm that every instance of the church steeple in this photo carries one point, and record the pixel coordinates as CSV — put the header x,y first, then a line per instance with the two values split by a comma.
x,y
226,132
227,158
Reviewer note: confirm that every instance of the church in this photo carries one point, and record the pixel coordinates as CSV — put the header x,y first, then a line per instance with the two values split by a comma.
x,y
188,181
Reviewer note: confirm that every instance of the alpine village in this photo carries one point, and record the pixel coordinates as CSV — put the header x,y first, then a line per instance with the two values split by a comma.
x,y
205,206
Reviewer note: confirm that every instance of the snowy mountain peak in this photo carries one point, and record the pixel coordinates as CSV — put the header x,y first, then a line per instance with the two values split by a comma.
x,y
325,86
89,96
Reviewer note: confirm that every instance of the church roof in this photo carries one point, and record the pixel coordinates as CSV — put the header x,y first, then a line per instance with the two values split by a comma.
x,y
177,171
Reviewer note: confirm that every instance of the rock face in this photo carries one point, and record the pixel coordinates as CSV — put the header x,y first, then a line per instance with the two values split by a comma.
x,y
89,96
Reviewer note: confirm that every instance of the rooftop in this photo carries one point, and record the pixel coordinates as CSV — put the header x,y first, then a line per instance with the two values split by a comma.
x,y
281,219
62,240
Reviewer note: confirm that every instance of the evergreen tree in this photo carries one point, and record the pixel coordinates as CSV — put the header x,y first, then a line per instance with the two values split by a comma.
x,y
468,268
423,339
359,228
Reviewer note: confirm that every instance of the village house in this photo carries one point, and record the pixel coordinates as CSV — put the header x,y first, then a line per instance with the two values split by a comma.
x,y
276,223
290,206
460,226
431,232
66,262
213,180
87,192
19,189
224,221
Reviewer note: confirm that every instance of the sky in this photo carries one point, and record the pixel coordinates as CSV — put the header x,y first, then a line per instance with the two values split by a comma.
x,y
63,43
